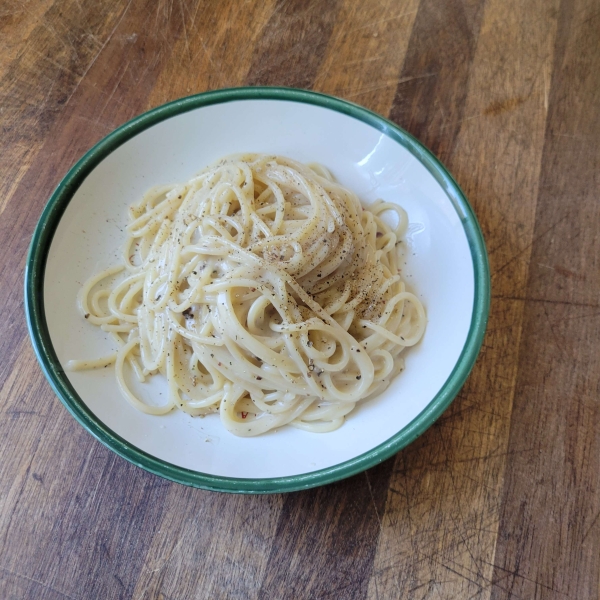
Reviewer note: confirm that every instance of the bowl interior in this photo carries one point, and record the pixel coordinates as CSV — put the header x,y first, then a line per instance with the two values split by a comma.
x,y
439,268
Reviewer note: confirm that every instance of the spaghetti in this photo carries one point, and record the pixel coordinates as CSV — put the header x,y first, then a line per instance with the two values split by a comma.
x,y
261,289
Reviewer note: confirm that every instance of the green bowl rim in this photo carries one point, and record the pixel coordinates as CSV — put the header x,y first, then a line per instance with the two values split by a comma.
x,y
44,350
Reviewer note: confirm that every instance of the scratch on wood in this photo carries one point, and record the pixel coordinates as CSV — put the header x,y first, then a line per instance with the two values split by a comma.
x,y
168,559
557,343
373,500
195,14
99,52
548,300
515,573
590,527
105,470
387,84
480,588
368,89
362,61
97,123
44,585
412,78
112,93
185,33
528,246
459,506
372,23
210,60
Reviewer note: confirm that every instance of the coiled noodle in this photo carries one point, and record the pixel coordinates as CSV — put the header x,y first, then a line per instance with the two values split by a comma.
x,y
263,291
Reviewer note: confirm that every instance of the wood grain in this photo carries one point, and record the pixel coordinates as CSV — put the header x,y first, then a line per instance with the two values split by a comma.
x,y
367,48
553,552
500,498
292,44
468,446
58,47
216,49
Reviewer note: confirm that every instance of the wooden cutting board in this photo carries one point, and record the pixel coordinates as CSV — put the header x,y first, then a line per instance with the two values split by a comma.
x,y
500,498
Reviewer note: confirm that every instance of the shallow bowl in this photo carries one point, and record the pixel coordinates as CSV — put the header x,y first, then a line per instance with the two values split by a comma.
x,y
81,231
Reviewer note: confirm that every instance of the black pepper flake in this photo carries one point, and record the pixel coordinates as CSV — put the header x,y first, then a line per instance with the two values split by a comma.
x,y
86,316
358,376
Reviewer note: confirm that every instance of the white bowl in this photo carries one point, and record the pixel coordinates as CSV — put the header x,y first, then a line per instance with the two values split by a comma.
x,y
81,231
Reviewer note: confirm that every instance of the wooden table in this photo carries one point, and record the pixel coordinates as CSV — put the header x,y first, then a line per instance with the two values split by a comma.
x,y
501,497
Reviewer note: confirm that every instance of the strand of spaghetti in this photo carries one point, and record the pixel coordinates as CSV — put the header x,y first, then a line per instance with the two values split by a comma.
x,y
95,363
82,297
132,398
190,335
390,336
